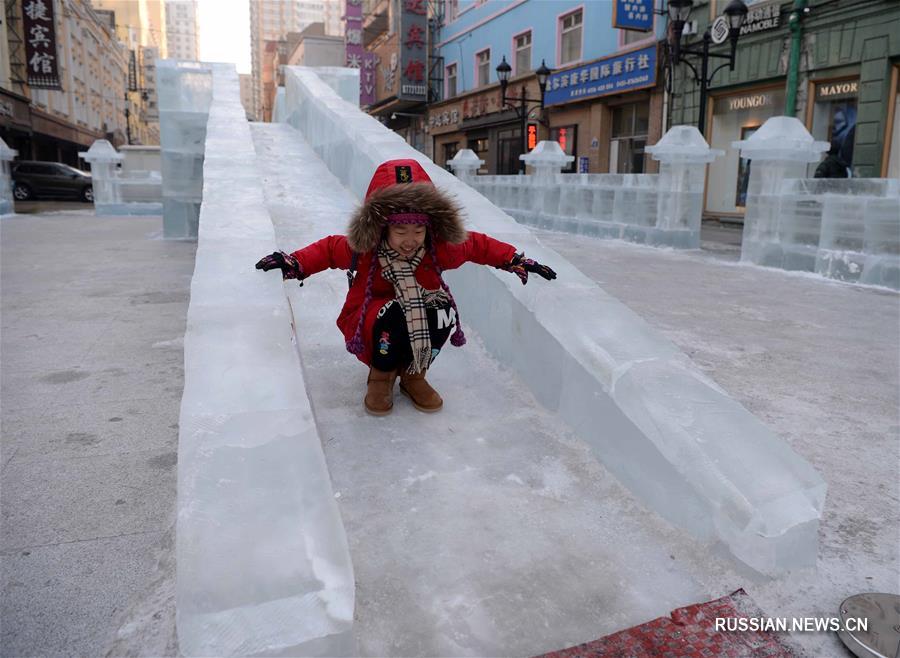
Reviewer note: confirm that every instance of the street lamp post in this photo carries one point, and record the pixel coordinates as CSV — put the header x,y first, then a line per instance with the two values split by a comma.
x,y
679,11
522,109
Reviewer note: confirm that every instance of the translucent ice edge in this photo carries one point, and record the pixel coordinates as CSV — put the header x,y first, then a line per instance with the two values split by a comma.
x,y
263,563
669,433
842,229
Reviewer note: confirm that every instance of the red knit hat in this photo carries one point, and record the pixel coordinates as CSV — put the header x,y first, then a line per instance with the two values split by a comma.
x,y
394,172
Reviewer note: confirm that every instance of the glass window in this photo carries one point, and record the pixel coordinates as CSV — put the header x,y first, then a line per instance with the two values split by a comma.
x,y
894,152
484,67
523,53
834,119
734,118
451,10
509,148
629,137
570,38
451,81
480,145
449,151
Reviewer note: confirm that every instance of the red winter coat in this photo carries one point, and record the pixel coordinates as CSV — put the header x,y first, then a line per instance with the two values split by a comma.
x,y
334,252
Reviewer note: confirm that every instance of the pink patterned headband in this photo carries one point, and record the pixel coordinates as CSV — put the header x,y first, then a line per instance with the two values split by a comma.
x,y
408,218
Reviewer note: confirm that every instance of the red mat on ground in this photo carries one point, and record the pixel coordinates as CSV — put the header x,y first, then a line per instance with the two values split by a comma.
x,y
690,632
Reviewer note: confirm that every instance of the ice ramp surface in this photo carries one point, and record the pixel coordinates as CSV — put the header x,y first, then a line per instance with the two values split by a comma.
x,y
483,530
671,435
262,561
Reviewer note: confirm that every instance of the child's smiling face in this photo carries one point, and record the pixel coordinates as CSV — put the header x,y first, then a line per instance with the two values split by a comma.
x,y
406,238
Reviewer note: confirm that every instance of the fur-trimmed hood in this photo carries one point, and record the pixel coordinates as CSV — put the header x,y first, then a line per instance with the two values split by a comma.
x,y
368,221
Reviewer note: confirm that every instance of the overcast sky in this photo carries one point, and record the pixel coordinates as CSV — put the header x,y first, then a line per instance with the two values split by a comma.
x,y
225,32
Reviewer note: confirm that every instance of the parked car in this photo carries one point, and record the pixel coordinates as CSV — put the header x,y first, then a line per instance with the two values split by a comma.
x,y
33,179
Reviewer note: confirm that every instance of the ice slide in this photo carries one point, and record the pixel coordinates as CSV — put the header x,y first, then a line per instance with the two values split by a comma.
x,y
490,528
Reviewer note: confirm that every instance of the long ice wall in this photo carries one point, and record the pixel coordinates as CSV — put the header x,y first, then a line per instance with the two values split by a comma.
x,y
669,433
263,563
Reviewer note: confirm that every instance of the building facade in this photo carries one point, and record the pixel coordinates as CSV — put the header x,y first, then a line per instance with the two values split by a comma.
x,y
55,120
846,90
246,82
314,47
271,21
398,71
141,26
603,99
182,29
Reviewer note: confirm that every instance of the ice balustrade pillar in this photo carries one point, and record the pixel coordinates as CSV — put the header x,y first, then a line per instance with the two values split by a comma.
x,y
465,164
547,159
683,155
780,150
844,229
6,196
185,94
121,191
104,161
679,442
656,209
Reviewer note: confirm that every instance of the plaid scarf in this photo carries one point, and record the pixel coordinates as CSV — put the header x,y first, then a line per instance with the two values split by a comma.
x,y
402,273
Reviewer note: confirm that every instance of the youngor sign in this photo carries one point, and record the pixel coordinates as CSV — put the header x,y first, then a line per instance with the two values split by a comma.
x,y
40,44
611,75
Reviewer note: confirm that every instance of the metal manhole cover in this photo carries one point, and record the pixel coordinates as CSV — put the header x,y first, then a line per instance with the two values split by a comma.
x,y
881,639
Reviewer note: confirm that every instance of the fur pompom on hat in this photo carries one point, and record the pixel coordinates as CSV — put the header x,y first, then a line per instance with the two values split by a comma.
x,y
397,187
402,188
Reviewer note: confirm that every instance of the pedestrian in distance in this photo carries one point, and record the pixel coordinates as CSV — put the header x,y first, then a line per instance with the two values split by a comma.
x,y
833,166
399,312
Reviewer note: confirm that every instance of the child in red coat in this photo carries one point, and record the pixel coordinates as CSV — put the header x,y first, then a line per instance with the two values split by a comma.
x,y
399,311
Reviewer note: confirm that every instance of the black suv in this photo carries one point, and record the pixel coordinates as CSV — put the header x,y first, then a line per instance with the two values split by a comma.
x,y
33,179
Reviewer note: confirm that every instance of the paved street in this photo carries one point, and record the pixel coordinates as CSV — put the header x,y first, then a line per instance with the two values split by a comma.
x,y
93,313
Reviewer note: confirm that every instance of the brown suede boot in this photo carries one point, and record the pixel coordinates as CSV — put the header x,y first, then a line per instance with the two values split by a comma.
x,y
379,399
423,397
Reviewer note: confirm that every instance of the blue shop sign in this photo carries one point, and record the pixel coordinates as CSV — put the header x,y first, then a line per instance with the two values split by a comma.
x,y
612,75
633,15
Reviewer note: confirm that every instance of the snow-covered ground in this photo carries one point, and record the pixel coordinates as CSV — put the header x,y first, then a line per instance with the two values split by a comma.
x,y
490,529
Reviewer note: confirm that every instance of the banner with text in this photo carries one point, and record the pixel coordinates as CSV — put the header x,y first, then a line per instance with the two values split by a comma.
x,y
612,75
633,15
413,50
40,44
357,57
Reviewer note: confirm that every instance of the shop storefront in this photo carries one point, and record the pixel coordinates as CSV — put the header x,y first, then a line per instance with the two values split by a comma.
x,y
605,112
475,122
736,116
15,122
630,130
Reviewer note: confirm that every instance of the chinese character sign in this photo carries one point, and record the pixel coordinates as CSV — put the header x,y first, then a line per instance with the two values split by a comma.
x,y
531,136
357,57
633,15
612,75
413,50
40,44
